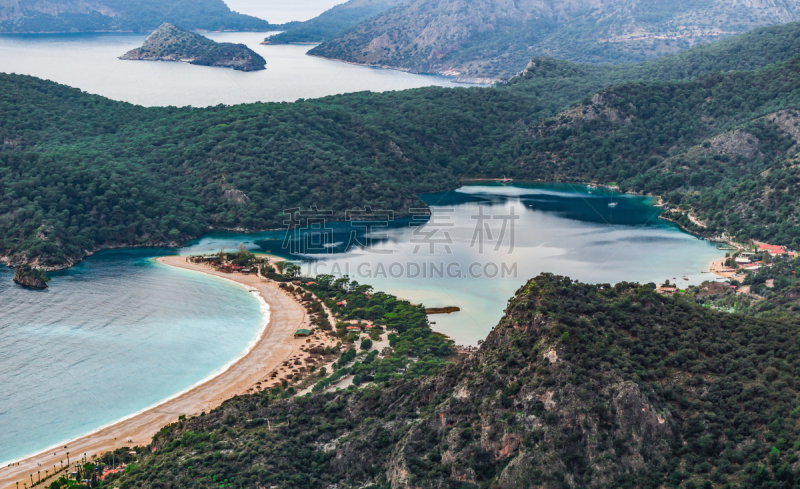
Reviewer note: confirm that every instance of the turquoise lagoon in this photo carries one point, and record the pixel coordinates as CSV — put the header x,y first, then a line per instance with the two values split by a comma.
x,y
120,332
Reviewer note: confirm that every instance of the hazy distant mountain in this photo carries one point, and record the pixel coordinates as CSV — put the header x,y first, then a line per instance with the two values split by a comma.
x,y
333,21
121,15
496,38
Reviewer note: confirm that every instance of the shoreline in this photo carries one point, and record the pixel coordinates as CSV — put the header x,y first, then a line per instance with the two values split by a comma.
x,y
265,353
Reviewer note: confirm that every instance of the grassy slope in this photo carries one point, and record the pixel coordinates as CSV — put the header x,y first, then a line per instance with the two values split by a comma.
x,y
578,386
81,172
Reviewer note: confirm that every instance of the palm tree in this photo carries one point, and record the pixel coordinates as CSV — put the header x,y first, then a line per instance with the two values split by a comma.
x,y
67,459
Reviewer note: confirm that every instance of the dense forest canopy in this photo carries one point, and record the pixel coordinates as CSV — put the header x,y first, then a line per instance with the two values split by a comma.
x,y
577,386
122,16
79,172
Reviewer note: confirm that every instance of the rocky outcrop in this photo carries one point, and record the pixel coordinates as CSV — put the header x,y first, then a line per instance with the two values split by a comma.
x,y
171,43
30,277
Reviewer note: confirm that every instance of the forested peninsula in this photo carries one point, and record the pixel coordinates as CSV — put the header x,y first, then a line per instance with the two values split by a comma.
x,y
577,386
712,130
171,43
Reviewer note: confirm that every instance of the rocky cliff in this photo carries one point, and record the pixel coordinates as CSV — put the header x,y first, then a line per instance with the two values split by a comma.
x,y
577,386
171,43
484,40
30,277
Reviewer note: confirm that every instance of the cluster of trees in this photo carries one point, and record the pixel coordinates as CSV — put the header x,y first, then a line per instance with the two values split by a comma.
x,y
79,172
416,349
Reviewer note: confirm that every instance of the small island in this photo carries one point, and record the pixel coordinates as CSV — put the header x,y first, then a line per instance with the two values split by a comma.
x,y
33,278
171,43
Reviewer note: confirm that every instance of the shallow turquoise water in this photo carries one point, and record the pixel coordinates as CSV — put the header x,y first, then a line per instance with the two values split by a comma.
x,y
110,337
119,332
563,229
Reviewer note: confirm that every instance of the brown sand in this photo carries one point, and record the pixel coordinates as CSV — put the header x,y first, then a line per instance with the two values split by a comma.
x,y
719,265
276,345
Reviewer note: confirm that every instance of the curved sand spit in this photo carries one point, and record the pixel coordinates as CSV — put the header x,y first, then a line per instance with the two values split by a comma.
x,y
275,345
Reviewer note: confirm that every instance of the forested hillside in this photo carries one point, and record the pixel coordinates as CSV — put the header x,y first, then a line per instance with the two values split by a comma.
x,y
482,40
122,15
80,173
331,22
577,386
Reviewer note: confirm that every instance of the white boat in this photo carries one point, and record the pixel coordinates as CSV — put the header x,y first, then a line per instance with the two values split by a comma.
x,y
612,204
507,180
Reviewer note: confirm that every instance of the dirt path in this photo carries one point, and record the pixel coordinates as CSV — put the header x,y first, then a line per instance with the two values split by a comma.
x,y
276,345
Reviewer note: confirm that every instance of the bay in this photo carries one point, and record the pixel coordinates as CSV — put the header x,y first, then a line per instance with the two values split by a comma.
x,y
90,62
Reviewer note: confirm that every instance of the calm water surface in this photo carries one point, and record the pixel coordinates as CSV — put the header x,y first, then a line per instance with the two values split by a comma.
x,y
119,332
89,62
111,336
563,229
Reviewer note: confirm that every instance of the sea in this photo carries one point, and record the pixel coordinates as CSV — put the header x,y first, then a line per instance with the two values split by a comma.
x,y
90,62
120,332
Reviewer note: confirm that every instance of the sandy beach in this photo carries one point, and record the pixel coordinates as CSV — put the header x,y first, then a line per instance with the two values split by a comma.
x,y
275,346
718,266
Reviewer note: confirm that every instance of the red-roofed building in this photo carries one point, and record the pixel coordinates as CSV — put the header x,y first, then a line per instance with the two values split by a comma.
x,y
311,283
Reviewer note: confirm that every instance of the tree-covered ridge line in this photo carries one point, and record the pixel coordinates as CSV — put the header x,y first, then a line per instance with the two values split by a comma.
x,y
331,22
80,173
712,146
25,16
577,386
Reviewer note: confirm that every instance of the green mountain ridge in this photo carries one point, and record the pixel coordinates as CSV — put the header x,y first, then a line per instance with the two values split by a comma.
x,y
578,386
170,43
79,173
32,16
332,21
487,40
